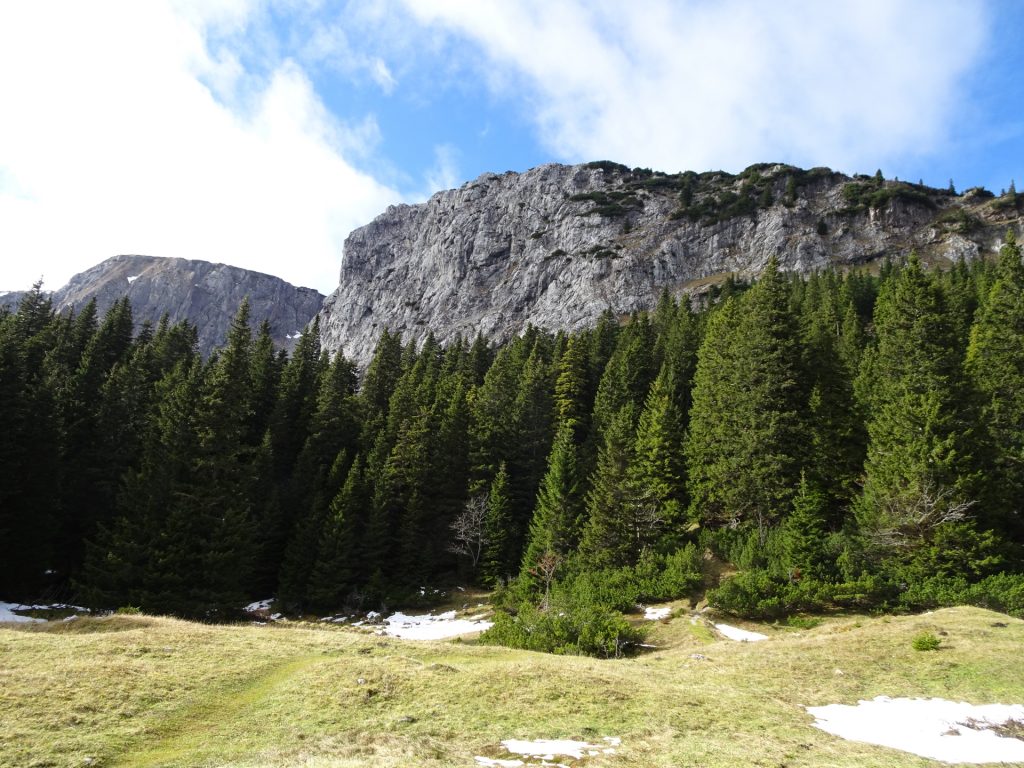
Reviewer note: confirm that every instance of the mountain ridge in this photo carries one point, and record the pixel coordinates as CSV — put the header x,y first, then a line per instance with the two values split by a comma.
x,y
557,245
207,294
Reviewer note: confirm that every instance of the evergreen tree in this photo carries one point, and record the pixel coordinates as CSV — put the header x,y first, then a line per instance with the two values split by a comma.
x,y
499,561
918,469
30,467
656,474
745,444
557,518
611,537
335,573
995,365
837,439
805,532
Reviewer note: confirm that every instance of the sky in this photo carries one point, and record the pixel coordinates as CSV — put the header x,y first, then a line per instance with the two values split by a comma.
x,y
259,133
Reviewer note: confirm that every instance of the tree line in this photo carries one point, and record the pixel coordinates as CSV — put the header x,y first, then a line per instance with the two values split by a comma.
x,y
842,438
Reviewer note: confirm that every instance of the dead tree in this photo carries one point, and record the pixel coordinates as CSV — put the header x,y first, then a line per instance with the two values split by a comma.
x,y
469,531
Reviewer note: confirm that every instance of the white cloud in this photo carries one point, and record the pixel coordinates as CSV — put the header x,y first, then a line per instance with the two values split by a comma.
x,y
124,133
444,174
697,85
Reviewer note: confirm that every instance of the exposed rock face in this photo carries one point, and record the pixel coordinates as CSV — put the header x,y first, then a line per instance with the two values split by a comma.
x,y
557,245
207,295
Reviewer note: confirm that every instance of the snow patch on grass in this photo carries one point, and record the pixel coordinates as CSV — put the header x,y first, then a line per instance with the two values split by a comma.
x,y
657,614
547,750
949,731
741,635
7,613
12,612
431,627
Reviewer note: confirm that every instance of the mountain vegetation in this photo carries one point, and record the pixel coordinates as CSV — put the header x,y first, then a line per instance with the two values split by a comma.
x,y
843,440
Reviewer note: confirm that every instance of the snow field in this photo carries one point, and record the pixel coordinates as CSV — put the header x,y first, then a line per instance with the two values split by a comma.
x,y
948,731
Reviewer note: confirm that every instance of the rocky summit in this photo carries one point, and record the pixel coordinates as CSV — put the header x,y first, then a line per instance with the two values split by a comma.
x,y
207,295
558,245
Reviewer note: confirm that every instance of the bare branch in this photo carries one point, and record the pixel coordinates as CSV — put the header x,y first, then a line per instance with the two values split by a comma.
x,y
469,529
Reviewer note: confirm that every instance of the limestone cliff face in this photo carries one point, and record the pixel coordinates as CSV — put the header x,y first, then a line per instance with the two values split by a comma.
x,y
207,295
558,245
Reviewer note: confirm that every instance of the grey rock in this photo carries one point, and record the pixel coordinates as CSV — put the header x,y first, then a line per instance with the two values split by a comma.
x,y
207,295
557,245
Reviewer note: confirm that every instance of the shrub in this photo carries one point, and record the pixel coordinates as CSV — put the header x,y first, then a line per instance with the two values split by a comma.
x,y
759,594
568,626
128,610
926,641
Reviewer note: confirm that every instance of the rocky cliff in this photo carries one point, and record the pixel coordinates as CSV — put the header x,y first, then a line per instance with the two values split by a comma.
x,y
207,295
557,245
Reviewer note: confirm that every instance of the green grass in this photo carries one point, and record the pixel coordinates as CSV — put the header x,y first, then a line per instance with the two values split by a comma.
x,y
145,691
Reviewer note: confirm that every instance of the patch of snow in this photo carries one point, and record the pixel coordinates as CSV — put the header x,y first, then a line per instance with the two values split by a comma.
x,y
133,278
493,761
372,615
259,605
7,613
276,616
430,627
546,749
71,618
657,614
949,731
742,635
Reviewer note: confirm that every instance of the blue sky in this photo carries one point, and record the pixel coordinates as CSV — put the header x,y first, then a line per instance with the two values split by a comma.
x,y
260,132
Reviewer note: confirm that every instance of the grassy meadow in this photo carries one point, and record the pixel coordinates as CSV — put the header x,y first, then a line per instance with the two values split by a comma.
x,y
146,691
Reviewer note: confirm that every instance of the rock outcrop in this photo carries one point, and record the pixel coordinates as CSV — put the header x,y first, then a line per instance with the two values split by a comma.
x,y
207,295
558,245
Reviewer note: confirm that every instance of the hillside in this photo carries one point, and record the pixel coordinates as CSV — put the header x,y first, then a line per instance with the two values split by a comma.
x,y
205,294
557,245
141,691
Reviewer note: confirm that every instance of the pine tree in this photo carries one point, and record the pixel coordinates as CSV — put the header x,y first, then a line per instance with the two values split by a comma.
x,y
336,571
610,538
656,474
918,469
837,438
995,365
806,530
30,466
570,400
746,441
499,561
557,517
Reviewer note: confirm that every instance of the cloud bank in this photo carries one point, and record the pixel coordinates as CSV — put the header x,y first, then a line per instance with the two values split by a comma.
x,y
125,131
696,85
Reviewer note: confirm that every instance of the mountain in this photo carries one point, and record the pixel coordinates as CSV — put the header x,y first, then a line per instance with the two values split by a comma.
x,y
557,245
207,295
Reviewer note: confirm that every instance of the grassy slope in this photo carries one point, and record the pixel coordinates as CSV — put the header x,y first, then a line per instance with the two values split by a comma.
x,y
142,691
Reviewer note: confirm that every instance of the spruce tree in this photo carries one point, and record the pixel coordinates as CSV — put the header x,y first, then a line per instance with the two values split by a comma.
x,y
336,571
611,537
557,517
499,560
656,474
918,472
805,534
995,365
746,441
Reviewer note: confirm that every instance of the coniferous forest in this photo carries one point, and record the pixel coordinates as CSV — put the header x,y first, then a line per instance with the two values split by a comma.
x,y
840,441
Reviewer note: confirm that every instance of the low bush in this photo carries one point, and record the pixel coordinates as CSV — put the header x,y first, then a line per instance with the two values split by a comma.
x,y
759,594
568,625
926,641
